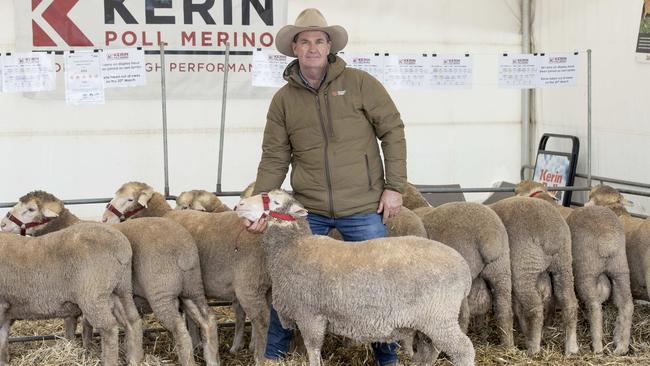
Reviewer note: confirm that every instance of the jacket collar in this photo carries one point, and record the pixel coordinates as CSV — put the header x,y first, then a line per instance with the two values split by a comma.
x,y
335,68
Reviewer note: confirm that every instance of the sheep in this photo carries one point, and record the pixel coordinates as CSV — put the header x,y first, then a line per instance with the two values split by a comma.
x,y
165,269
637,238
599,264
477,233
376,290
232,259
49,277
200,200
540,245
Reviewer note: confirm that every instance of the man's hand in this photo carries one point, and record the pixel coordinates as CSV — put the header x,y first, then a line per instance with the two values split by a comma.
x,y
390,204
255,227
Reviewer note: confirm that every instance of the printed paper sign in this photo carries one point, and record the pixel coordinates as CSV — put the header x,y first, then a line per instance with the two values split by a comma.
x,y
123,68
84,83
518,71
28,72
451,72
406,71
372,63
1,57
558,69
268,67
643,40
552,171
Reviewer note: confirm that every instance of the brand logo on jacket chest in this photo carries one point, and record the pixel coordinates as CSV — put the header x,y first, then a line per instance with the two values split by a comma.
x,y
337,92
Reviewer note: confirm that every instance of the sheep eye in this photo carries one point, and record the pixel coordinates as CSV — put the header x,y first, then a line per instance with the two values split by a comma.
x,y
31,209
130,200
276,202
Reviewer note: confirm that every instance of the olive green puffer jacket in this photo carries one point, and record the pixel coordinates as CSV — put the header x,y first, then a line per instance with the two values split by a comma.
x,y
330,138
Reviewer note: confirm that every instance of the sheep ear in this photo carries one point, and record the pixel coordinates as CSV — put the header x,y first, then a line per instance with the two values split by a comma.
x,y
51,209
145,196
297,210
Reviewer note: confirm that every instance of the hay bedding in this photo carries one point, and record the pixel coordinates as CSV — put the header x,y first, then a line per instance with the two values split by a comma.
x,y
159,347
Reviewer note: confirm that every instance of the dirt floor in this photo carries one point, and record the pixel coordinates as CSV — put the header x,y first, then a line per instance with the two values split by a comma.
x,y
159,347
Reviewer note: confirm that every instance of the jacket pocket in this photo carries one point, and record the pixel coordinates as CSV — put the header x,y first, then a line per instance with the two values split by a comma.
x,y
365,156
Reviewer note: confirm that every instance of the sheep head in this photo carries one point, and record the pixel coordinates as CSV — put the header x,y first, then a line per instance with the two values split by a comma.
x,y
199,200
413,198
279,201
606,196
32,210
131,196
529,188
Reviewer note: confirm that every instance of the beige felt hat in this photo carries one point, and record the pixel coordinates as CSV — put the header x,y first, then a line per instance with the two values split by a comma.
x,y
310,20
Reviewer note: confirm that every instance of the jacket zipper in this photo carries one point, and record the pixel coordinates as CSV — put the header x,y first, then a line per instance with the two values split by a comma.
x,y
368,171
329,116
327,164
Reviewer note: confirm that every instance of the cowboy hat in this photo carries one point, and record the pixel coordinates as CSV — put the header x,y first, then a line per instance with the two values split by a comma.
x,y
310,20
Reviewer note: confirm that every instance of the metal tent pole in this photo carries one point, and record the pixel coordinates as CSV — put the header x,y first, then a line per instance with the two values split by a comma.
x,y
163,87
224,98
525,93
588,117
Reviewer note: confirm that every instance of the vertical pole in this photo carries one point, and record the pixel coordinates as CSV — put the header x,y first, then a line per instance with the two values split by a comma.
x,y
525,93
224,97
588,117
163,87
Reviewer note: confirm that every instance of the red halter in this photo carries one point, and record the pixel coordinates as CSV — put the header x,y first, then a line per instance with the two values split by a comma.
x,y
536,193
29,225
123,216
278,215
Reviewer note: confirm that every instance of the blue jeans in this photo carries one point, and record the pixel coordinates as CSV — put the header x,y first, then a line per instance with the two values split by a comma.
x,y
352,228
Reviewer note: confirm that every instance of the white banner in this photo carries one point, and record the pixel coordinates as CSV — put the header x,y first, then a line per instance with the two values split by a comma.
x,y
518,71
195,32
123,68
451,72
268,67
28,72
558,69
372,63
84,83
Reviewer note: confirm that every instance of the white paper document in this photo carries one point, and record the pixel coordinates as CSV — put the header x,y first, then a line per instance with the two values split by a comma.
x,y
84,83
268,67
28,72
1,58
518,71
123,67
451,72
406,71
372,63
558,69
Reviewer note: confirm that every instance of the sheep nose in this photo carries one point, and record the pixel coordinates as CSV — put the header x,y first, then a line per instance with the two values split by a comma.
x,y
104,220
235,208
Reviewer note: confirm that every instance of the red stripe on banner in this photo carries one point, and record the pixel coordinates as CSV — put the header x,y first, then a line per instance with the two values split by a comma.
x,y
39,36
35,3
57,16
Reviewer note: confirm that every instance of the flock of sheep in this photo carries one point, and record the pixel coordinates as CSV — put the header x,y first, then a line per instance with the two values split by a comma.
x,y
520,259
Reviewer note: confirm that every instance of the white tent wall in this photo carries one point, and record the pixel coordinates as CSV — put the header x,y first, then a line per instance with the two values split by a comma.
x,y
471,137
620,114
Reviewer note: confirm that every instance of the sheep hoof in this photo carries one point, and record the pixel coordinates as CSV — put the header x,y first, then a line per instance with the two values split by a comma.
x,y
620,351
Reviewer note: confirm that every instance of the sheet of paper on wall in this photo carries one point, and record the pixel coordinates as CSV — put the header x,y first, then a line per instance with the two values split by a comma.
x,y
28,72
372,63
406,71
558,69
451,72
84,83
268,67
123,67
1,58
518,71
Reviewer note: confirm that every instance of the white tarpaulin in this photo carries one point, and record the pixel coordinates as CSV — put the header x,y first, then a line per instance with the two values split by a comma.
x,y
195,34
84,83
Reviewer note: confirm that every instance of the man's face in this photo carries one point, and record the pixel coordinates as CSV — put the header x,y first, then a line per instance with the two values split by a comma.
x,y
312,48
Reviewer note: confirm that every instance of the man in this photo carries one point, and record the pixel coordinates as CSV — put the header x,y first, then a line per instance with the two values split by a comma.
x,y
325,122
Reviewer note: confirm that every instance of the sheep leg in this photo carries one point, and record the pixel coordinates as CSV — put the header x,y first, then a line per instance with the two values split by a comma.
x,y
5,324
449,338
426,353
195,332
622,298
86,333
127,315
497,275
312,329
166,311
240,322
202,315
100,316
70,324
463,315
532,311
257,310
587,288
563,287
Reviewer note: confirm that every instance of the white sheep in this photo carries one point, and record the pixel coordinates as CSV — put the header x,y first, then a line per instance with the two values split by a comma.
x,y
377,290
50,277
165,270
